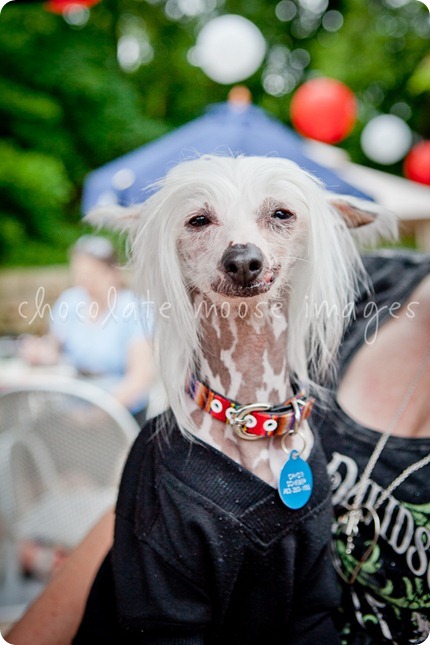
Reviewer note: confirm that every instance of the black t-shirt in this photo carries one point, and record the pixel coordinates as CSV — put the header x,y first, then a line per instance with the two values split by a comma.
x,y
207,553
390,600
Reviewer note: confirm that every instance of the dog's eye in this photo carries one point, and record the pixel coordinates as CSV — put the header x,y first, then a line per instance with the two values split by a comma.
x,y
282,213
198,221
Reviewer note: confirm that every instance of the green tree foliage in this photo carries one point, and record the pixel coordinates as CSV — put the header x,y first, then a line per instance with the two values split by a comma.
x,y
67,106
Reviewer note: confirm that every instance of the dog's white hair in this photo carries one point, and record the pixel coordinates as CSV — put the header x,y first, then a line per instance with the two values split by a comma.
x,y
323,265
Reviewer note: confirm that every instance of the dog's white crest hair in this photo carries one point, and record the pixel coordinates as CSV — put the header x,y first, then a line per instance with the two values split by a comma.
x,y
326,281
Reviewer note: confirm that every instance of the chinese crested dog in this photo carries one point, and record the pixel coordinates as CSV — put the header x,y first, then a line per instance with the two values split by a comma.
x,y
223,519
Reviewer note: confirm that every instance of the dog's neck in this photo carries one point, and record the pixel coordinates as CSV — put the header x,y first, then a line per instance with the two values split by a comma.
x,y
244,358
244,352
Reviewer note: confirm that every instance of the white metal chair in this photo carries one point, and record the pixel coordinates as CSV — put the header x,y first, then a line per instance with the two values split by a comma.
x,y
62,450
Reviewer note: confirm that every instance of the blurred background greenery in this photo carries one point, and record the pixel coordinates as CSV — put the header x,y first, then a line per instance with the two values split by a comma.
x,y
72,98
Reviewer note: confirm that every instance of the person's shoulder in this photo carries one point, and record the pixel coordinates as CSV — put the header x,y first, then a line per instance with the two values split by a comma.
x,y
388,259
395,272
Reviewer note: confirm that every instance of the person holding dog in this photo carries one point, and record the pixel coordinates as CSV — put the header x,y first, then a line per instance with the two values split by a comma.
x,y
398,278
375,429
271,229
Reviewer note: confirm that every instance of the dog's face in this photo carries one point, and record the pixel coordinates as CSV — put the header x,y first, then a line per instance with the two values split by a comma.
x,y
258,228
247,227
241,228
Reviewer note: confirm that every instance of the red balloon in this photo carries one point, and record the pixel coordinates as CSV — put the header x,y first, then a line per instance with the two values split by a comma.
x,y
417,163
60,6
324,109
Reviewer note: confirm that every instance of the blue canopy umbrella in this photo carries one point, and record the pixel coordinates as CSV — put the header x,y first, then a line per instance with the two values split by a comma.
x,y
224,128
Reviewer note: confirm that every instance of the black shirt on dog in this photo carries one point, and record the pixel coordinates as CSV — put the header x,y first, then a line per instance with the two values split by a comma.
x,y
205,552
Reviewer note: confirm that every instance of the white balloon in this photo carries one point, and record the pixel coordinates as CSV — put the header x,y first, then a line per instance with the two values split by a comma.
x,y
123,179
427,4
386,139
229,49
2,4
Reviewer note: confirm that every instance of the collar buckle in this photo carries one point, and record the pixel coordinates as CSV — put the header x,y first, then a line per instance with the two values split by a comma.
x,y
240,417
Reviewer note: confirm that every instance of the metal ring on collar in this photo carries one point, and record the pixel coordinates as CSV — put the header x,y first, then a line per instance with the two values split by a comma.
x,y
288,451
297,415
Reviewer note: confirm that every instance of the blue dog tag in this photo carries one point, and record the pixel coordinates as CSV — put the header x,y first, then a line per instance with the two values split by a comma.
x,y
295,482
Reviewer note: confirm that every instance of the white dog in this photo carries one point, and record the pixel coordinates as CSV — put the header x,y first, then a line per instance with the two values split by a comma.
x,y
252,269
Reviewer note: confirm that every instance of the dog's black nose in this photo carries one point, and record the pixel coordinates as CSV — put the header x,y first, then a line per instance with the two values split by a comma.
x,y
242,263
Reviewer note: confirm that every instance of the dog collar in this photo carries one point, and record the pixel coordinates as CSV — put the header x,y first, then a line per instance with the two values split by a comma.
x,y
254,420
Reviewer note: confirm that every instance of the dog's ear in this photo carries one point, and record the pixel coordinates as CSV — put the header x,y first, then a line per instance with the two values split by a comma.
x,y
114,217
367,221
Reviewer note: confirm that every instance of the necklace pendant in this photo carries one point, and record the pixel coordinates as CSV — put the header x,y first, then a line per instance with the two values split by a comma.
x,y
349,526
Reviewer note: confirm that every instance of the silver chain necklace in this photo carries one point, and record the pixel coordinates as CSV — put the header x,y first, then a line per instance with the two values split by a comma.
x,y
358,512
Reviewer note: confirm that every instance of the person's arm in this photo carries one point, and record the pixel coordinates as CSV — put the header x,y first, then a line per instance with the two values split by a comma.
x,y
139,374
54,617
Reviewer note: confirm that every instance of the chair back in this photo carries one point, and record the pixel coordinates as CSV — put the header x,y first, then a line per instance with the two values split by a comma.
x,y
62,450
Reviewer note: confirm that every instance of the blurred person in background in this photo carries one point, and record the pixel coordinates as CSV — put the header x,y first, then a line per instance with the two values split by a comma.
x,y
99,327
